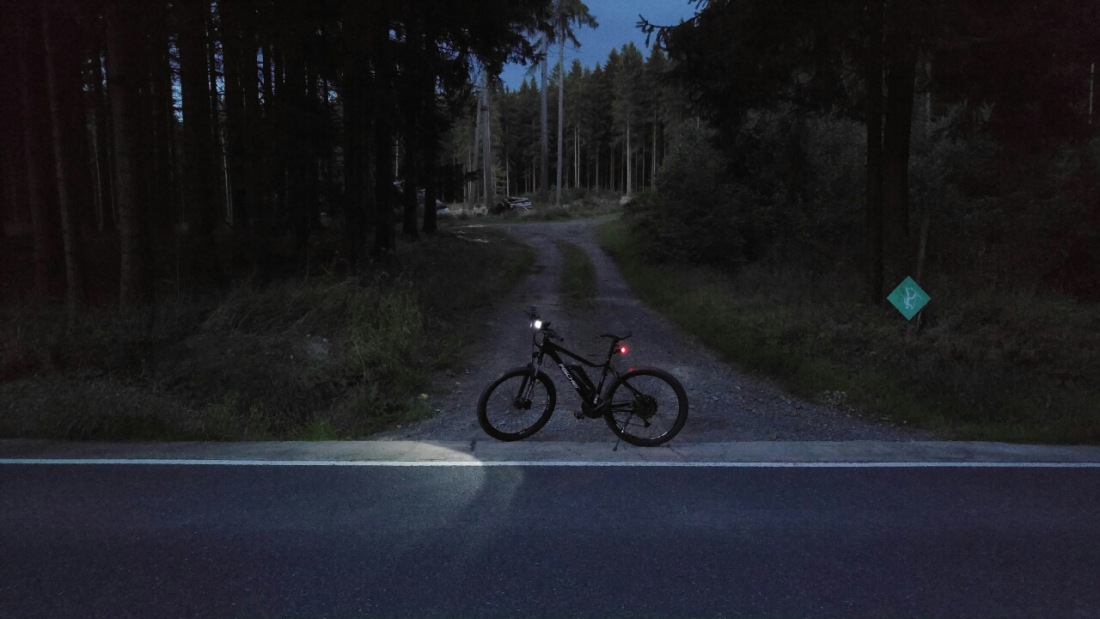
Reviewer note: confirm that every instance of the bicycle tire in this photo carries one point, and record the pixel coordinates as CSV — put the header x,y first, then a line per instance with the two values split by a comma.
x,y
503,405
646,407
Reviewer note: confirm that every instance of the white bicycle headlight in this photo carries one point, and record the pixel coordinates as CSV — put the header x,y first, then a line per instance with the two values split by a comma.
x,y
536,324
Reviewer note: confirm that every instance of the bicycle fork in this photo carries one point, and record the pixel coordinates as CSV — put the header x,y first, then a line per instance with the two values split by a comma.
x,y
528,385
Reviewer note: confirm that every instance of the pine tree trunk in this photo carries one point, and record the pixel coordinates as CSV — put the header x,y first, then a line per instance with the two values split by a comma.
x,y
47,245
356,162
383,189
409,203
472,194
874,105
544,156
487,147
201,210
627,158
653,168
597,167
158,135
576,157
123,68
897,127
239,60
101,151
561,116
429,168
70,231
429,139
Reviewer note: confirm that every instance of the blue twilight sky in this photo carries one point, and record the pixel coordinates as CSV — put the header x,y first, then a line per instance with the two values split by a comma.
x,y
618,25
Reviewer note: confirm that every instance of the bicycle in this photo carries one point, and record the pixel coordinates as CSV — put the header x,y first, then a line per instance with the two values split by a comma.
x,y
644,406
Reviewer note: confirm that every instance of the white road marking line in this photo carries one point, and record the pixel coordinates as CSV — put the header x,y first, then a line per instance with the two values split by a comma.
x,y
536,463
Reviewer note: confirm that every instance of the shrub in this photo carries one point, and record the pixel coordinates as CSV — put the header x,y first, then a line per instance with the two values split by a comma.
x,y
696,215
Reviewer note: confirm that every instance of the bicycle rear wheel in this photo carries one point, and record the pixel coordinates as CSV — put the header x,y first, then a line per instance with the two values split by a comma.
x,y
516,405
646,407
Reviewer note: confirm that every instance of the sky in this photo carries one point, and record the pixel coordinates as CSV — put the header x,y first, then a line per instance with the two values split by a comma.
x,y
618,21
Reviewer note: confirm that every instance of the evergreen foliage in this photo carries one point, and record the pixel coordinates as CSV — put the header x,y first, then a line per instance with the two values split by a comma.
x,y
196,140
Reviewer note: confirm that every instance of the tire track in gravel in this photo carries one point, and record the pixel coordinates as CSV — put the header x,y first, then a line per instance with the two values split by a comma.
x,y
725,404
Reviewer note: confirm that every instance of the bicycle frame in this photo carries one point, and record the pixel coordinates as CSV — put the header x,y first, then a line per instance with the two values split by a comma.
x,y
555,351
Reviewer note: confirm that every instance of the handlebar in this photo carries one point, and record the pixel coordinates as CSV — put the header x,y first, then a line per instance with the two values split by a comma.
x,y
541,327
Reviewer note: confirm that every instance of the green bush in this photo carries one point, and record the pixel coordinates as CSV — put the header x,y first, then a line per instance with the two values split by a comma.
x,y
985,366
695,215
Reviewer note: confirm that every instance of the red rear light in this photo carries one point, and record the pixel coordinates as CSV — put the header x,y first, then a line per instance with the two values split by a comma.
x,y
623,349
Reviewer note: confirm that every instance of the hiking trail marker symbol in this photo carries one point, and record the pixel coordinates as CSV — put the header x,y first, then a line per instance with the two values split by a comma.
x,y
909,298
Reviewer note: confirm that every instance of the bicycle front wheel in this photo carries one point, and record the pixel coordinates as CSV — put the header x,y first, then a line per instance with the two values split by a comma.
x,y
646,407
516,405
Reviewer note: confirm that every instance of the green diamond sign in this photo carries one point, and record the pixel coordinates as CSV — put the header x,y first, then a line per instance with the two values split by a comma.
x,y
909,298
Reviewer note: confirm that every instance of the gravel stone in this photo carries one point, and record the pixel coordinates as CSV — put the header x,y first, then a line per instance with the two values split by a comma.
x,y
726,404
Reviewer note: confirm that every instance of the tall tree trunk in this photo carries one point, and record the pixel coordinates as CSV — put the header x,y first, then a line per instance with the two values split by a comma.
x,y
357,164
70,231
576,156
11,176
597,166
472,195
487,146
202,210
561,113
873,110
239,60
299,160
653,168
429,137
101,148
124,71
252,169
383,189
429,167
627,158
47,246
158,136
409,202
544,147
895,162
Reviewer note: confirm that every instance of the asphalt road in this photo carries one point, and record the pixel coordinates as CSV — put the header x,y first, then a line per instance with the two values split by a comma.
x,y
707,540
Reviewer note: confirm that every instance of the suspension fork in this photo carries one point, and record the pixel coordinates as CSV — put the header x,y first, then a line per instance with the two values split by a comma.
x,y
535,365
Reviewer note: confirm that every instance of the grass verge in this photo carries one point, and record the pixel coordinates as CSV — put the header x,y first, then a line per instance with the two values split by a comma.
x,y
578,276
984,366
321,357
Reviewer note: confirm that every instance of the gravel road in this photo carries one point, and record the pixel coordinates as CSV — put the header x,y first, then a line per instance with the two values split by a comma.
x,y
725,404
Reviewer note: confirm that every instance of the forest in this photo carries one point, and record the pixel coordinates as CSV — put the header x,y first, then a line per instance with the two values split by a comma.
x,y
612,129
168,148
182,141
906,138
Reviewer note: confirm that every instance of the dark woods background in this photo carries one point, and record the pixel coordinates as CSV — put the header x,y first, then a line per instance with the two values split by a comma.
x,y
944,138
151,144
176,144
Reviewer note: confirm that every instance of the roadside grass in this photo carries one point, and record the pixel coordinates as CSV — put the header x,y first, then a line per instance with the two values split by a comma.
x,y
983,366
306,358
578,277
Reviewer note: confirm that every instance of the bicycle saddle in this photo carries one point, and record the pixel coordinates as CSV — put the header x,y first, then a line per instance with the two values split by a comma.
x,y
617,337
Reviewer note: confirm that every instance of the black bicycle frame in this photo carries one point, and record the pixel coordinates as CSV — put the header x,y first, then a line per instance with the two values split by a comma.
x,y
548,347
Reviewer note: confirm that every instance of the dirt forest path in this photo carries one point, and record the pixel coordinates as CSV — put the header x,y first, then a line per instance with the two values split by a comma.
x,y
725,404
